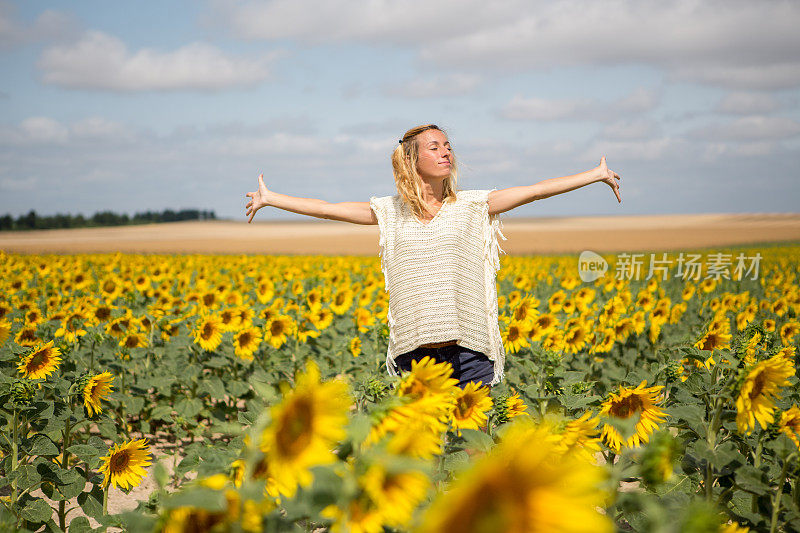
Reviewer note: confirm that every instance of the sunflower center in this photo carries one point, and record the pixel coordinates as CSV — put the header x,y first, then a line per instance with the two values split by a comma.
x,y
245,338
295,433
464,406
131,341
120,461
38,360
758,386
513,333
626,407
276,328
208,331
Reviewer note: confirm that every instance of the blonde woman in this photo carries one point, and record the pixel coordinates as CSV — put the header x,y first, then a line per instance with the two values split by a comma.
x,y
439,252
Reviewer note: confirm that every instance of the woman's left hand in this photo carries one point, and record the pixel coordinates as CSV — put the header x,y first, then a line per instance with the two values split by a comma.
x,y
609,177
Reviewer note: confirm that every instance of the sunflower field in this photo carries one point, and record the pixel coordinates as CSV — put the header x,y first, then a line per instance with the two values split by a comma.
x,y
252,390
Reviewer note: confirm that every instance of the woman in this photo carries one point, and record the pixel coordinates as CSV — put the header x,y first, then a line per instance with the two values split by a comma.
x,y
439,252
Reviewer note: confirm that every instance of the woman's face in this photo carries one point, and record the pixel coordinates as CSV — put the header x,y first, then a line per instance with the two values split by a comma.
x,y
435,158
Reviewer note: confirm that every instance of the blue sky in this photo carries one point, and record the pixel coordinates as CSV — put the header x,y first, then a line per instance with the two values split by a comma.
x,y
156,105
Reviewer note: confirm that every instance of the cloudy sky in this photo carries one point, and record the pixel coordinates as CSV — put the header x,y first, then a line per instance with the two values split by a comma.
x,y
153,105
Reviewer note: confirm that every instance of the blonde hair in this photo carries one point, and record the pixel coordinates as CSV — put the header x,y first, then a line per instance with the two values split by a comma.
x,y
406,177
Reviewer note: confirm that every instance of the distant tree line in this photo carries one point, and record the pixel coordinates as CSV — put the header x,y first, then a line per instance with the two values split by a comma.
x,y
102,218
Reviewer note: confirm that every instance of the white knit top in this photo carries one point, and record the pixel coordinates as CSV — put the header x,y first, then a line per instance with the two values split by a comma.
x,y
440,276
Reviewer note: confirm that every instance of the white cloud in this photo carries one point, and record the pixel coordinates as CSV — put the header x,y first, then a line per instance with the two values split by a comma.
x,y
763,76
741,103
435,86
43,130
48,26
730,43
534,108
633,150
101,61
749,128
637,128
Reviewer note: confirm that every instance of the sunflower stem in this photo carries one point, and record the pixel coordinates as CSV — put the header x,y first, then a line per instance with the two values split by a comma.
x,y
62,512
776,499
14,456
106,488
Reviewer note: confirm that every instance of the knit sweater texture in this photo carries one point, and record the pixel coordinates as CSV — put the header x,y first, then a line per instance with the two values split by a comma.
x,y
441,275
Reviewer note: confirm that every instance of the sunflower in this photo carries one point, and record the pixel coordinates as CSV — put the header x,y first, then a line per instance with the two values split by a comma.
x,y
714,339
515,406
323,318
789,330
305,427
277,330
355,346
414,438
790,424
396,493
427,378
95,390
246,342
364,319
359,515
575,338
471,405
556,301
72,327
606,339
542,325
756,398
342,301
42,361
133,339
581,435
124,465
639,402
305,329
265,291
208,332
522,488
230,319
5,330
515,337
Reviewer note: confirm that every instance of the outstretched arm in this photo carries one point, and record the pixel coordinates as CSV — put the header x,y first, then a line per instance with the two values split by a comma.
x,y
354,212
507,199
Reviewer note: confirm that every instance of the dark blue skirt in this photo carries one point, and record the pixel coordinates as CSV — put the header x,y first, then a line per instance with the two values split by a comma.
x,y
468,365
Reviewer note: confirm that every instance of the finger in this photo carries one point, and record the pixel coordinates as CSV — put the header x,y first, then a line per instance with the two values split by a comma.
x,y
616,193
261,180
251,218
617,176
250,194
248,204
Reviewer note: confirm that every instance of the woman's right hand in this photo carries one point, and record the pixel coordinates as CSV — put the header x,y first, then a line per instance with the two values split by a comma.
x,y
258,199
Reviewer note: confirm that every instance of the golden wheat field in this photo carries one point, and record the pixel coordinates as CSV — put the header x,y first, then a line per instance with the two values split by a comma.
x,y
249,392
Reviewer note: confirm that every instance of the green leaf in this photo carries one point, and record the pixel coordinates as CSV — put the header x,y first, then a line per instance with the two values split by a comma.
x,y
200,497
37,511
41,444
189,408
693,415
84,452
455,462
161,412
92,502
80,524
477,440
26,477
752,479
